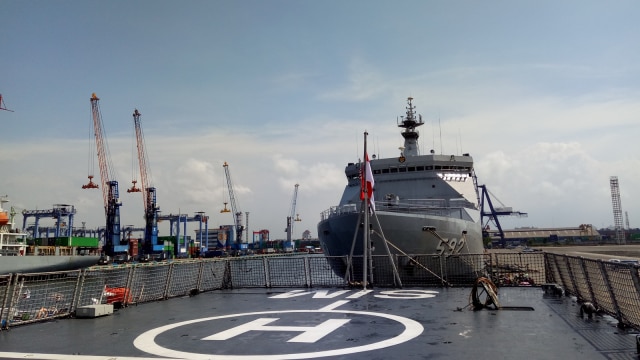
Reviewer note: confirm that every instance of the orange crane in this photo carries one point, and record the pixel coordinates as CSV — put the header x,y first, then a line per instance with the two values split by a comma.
x,y
2,105
110,193
151,209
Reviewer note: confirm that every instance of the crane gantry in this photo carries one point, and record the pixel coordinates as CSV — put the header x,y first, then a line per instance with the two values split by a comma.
x,y
150,244
237,215
110,193
292,212
491,212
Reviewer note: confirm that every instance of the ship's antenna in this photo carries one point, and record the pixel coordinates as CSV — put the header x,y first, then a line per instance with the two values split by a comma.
x,y
433,135
440,125
460,137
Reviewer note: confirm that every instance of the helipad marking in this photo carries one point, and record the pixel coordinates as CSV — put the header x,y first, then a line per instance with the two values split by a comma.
x,y
146,341
334,305
310,334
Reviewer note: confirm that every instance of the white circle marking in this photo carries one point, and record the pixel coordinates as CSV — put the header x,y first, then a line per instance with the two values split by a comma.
x,y
146,341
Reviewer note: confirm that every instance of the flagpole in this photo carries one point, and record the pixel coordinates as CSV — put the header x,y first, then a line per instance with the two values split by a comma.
x,y
366,234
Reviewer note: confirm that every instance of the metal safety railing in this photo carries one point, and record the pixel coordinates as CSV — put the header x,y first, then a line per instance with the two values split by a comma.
x,y
28,298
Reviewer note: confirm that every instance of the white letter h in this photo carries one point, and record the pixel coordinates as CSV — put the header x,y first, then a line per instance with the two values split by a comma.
x,y
309,334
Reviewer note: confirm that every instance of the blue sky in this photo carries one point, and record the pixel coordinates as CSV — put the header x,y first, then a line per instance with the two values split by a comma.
x,y
545,96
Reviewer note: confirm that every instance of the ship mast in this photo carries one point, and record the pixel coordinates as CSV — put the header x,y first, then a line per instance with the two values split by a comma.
x,y
409,123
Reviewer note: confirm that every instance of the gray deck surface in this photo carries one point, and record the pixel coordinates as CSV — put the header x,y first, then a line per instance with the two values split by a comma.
x,y
330,323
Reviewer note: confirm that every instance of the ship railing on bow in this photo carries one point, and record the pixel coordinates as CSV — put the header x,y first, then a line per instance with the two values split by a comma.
x,y
456,208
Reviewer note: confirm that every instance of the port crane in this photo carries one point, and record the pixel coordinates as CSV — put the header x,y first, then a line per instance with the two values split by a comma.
x,y
151,209
2,105
292,212
59,212
237,215
110,192
491,213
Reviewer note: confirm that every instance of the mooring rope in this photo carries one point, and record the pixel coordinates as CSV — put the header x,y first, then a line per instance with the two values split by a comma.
x,y
412,259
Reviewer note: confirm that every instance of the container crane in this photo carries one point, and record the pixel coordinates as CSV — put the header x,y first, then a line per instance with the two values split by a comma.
x,y
110,192
290,218
237,215
493,212
151,209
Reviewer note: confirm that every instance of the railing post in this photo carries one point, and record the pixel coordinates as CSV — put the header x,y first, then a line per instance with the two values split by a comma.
x,y
200,275
77,290
607,281
586,276
4,310
267,278
165,293
307,272
571,275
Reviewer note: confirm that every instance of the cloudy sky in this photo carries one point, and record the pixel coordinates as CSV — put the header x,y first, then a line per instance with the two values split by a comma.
x,y
544,95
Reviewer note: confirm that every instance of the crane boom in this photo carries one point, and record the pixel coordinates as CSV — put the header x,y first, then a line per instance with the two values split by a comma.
x,y
148,192
292,213
110,192
237,214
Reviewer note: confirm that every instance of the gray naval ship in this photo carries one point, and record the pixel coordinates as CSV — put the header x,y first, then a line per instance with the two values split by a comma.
x,y
424,204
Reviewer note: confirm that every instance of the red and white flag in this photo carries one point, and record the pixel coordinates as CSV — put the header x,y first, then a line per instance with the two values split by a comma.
x,y
367,183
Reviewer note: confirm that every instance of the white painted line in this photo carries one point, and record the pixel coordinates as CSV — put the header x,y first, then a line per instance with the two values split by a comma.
x,y
18,355
334,305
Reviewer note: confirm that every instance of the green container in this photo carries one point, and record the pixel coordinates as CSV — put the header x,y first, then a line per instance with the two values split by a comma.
x,y
77,241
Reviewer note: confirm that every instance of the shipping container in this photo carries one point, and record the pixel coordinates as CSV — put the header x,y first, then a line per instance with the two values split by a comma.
x,y
76,241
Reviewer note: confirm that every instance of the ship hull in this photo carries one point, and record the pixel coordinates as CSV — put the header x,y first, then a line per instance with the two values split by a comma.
x,y
35,263
411,234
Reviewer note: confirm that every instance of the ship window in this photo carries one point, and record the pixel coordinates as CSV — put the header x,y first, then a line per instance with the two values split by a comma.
x,y
377,171
420,168
446,167
438,167
429,167
385,171
411,168
403,169
394,170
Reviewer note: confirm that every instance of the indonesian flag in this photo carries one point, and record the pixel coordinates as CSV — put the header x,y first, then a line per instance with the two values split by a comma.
x,y
367,183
